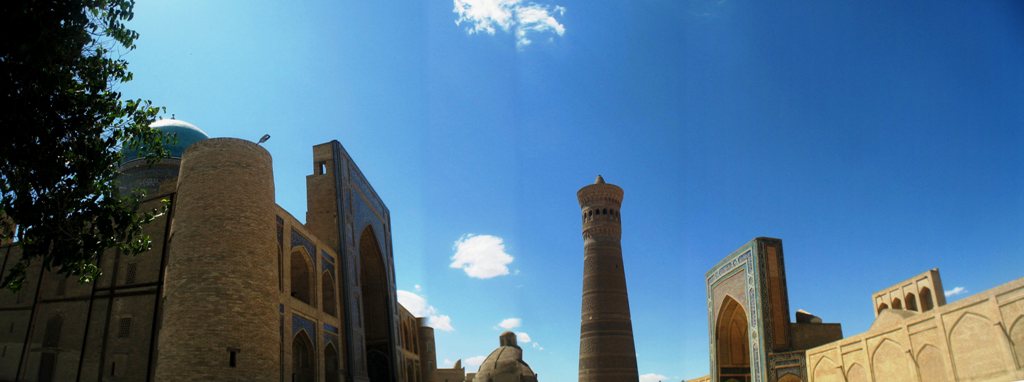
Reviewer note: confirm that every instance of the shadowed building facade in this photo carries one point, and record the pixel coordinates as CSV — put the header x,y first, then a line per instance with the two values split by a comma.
x,y
234,288
607,351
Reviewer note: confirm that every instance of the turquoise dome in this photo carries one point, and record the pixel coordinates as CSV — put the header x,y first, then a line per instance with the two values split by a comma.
x,y
184,135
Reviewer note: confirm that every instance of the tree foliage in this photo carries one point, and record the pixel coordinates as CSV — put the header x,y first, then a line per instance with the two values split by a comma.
x,y
63,127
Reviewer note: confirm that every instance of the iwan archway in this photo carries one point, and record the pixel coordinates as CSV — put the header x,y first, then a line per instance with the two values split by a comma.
x,y
732,342
377,318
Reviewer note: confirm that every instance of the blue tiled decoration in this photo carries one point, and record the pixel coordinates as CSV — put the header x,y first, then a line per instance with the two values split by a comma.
x,y
299,322
299,240
746,261
330,339
328,263
330,328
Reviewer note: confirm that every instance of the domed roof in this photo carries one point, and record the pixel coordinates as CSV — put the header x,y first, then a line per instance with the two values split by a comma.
x,y
505,363
184,135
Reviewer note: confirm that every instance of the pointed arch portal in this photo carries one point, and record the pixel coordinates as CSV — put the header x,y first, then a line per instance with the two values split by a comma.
x,y
373,277
732,343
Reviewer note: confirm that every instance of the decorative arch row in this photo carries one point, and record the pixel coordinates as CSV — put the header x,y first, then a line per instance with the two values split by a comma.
x,y
927,302
592,213
969,340
303,283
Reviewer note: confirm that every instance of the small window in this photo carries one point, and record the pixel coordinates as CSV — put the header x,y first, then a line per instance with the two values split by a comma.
x,y
233,358
113,369
321,168
130,273
124,327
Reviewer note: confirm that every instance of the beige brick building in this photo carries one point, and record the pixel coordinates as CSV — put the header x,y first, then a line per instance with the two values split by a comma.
x,y
916,336
234,289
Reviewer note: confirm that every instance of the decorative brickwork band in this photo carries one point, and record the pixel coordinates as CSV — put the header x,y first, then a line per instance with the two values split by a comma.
x,y
607,351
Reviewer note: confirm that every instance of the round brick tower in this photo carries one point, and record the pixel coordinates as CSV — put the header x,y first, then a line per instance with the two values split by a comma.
x,y
220,314
428,355
607,352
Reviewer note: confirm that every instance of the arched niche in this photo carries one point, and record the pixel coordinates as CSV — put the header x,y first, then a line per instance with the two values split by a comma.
x,y
732,341
328,291
331,364
303,358
927,301
911,302
377,317
301,276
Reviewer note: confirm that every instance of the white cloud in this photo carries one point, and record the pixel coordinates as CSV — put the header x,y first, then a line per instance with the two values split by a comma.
x,y
481,256
448,363
473,362
652,377
522,18
418,306
537,346
510,323
523,338
956,291
417,287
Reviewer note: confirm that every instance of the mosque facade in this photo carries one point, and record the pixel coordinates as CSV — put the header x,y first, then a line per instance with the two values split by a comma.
x,y
916,336
234,287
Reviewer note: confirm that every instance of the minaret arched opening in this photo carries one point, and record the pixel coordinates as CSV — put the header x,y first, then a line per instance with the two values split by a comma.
x,y
732,341
373,281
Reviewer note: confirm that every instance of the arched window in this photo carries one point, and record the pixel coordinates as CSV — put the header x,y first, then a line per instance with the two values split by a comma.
x,y
302,272
331,368
927,303
897,304
911,302
51,338
330,302
303,358
882,307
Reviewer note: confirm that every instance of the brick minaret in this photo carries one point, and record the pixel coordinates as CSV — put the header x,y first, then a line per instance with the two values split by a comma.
x,y
607,353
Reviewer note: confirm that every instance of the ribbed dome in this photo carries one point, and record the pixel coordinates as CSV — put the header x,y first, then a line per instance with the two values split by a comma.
x,y
186,134
505,363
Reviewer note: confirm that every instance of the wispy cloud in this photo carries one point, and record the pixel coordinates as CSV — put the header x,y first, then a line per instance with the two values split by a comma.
x,y
510,323
652,377
956,291
418,306
523,19
473,362
523,338
481,256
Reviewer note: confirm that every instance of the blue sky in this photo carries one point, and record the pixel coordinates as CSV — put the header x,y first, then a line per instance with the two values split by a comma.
x,y
878,139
